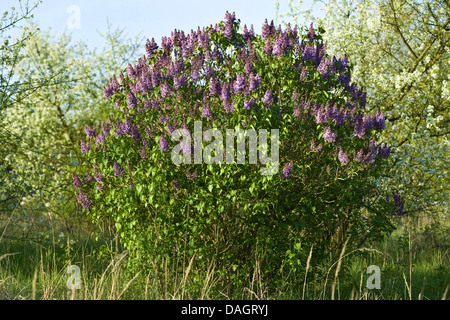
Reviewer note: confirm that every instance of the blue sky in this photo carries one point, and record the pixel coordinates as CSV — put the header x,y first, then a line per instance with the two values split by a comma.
x,y
153,18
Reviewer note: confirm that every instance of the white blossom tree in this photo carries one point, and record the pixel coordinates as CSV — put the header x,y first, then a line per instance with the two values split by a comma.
x,y
401,55
49,122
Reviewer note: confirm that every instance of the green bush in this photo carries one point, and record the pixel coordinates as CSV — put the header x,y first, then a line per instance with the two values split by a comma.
x,y
237,216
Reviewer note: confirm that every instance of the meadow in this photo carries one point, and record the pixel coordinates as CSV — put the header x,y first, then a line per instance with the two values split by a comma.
x,y
413,260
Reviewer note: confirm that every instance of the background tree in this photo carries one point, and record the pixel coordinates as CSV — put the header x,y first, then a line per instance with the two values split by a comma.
x,y
13,37
48,122
400,51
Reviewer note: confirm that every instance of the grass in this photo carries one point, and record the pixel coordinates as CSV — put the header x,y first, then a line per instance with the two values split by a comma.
x,y
414,264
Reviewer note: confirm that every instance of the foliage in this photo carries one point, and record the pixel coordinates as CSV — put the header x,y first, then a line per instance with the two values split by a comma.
x,y
401,54
231,215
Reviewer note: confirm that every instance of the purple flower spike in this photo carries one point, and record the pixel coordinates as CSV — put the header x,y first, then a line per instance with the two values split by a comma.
x,y
287,170
239,84
329,135
135,134
311,32
84,200
343,157
163,145
165,90
131,101
151,47
99,187
85,147
76,180
98,175
90,132
176,185
268,98
248,104
206,111
100,139
117,170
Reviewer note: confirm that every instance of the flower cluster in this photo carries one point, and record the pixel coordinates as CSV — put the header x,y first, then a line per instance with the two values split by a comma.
x,y
287,170
217,74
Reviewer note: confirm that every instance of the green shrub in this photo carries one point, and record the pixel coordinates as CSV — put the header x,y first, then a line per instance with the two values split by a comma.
x,y
236,215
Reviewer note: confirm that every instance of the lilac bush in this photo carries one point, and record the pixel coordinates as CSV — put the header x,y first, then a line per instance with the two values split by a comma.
x,y
230,214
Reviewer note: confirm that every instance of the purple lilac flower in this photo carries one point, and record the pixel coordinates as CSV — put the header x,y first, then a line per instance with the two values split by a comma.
x,y
268,98
321,116
171,128
344,79
329,135
76,180
84,200
266,29
178,83
360,156
239,84
229,21
151,47
155,104
311,32
385,151
268,48
90,132
254,82
206,111
126,127
85,147
303,74
117,170
225,94
323,68
190,176
176,185
98,175
287,170
163,145
165,90
380,121
99,187
100,139
248,34
214,88
338,117
297,112
195,75
309,53
344,62
107,92
343,157
369,157
359,129
280,46
248,104
229,107
106,128
135,134
143,153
